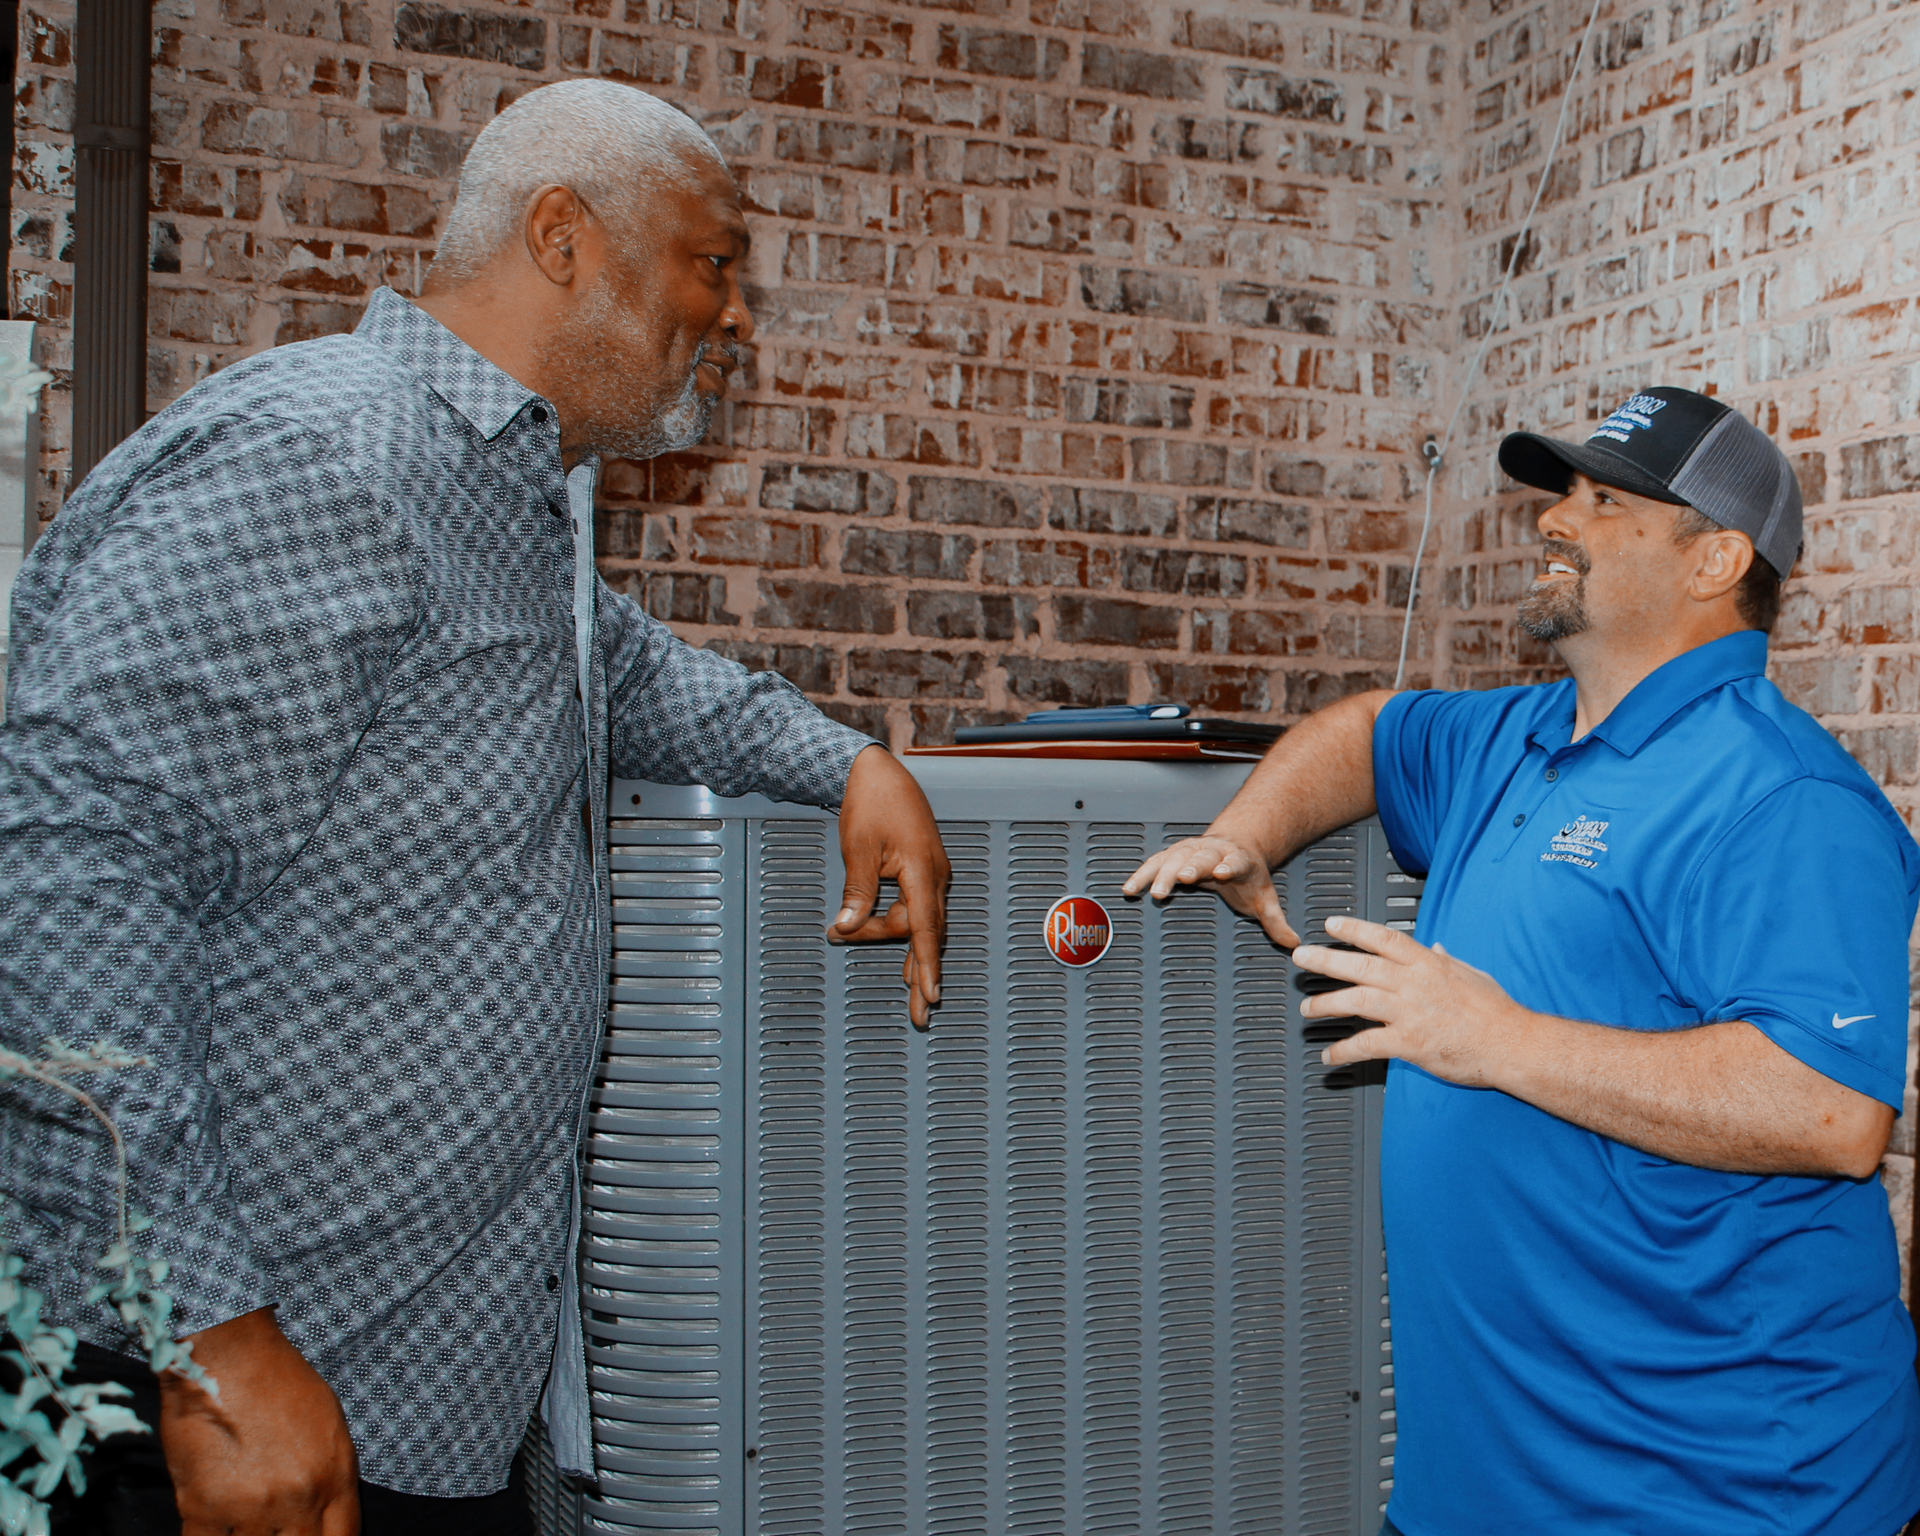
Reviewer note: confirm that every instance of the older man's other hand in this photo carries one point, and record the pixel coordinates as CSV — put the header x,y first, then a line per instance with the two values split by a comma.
x,y
887,831
269,1456
1439,1013
1220,864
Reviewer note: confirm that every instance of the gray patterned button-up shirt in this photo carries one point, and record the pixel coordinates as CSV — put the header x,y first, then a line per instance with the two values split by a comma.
x,y
294,801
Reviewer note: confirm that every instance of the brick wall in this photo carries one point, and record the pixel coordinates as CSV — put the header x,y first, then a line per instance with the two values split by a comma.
x,y
1092,330
1736,212
1099,336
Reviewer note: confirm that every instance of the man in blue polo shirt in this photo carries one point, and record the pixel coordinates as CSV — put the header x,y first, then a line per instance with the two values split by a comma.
x,y
1649,1041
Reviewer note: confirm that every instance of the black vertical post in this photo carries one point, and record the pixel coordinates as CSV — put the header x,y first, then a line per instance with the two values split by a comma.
x,y
10,72
113,47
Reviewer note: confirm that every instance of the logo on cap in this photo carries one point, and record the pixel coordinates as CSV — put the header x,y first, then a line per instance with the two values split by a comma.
x,y
1077,930
1637,412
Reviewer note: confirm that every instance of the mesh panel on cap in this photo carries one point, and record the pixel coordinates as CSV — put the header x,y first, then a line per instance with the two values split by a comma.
x,y
1741,480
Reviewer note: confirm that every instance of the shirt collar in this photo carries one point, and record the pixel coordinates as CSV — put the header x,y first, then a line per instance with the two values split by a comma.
x,y
486,395
1667,690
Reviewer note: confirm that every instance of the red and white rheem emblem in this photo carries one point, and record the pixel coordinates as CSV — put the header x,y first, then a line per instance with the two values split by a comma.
x,y
1078,930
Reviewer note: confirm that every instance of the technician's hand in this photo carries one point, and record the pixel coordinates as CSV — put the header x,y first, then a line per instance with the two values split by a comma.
x,y
270,1456
1437,1012
1218,864
887,831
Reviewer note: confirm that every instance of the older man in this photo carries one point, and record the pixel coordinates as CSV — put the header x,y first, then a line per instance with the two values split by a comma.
x,y
1650,1041
314,703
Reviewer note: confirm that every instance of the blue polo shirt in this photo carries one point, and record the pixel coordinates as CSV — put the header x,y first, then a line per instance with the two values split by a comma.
x,y
1588,1337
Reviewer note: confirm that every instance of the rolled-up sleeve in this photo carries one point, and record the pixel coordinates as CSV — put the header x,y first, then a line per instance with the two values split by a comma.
x,y
684,716
185,690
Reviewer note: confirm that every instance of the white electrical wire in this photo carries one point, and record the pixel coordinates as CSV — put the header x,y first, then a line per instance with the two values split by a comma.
x,y
1435,452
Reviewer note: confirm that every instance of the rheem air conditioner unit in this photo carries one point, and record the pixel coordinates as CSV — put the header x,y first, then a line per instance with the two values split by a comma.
x,y
1099,1253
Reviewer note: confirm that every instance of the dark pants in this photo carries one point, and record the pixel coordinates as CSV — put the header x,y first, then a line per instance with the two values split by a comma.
x,y
129,1492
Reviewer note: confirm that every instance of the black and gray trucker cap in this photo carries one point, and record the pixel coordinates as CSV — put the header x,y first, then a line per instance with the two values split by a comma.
x,y
1683,448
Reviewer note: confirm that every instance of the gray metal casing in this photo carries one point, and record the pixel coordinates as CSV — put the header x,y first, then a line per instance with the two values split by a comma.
x,y
1099,1253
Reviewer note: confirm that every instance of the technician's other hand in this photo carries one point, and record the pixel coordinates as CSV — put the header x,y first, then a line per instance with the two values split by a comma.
x,y
1441,1014
270,1456
887,831
1218,864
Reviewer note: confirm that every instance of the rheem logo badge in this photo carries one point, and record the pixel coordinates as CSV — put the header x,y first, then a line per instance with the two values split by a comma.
x,y
1078,930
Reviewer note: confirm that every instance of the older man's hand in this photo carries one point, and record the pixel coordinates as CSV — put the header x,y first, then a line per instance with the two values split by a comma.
x,y
1219,864
887,831
1437,1012
270,1455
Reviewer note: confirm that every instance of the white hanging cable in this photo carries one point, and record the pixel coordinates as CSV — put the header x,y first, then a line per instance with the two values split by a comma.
x,y
1435,452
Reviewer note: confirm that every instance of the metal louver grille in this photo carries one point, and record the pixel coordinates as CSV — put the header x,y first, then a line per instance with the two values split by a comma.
x,y
1099,1254
661,1240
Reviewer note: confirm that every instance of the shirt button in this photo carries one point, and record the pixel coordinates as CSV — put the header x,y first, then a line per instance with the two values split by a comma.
x,y
1552,774
1518,819
539,415
553,1282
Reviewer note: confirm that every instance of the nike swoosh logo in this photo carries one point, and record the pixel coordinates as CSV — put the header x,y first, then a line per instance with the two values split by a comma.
x,y
1840,1023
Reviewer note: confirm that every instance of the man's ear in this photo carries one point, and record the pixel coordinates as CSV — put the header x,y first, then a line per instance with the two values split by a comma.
x,y
1724,558
555,220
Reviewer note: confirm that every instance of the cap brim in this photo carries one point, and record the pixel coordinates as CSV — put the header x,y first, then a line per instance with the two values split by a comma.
x,y
1549,465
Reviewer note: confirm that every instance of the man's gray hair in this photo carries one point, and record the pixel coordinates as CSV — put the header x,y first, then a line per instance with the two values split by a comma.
x,y
610,144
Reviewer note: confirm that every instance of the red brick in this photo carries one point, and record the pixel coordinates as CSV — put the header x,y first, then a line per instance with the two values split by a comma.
x,y
834,30
1216,690
678,598
907,552
48,41
212,191
1107,18
1064,683
899,674
1256,632
788,82
1309,101
1010,55
822,488
517,41
1083,510
976,503
771,543
1132,72
1033,563
1113,621
304,319
971,616
792,603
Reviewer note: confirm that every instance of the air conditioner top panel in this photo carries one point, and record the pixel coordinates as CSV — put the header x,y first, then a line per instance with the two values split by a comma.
x,y
990,789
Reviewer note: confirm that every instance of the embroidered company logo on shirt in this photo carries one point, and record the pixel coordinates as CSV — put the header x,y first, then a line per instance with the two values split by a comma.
x,y
1636,413
1578,842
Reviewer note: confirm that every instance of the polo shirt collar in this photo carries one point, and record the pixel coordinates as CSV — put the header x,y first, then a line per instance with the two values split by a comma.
x,y
486,395
1667,690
